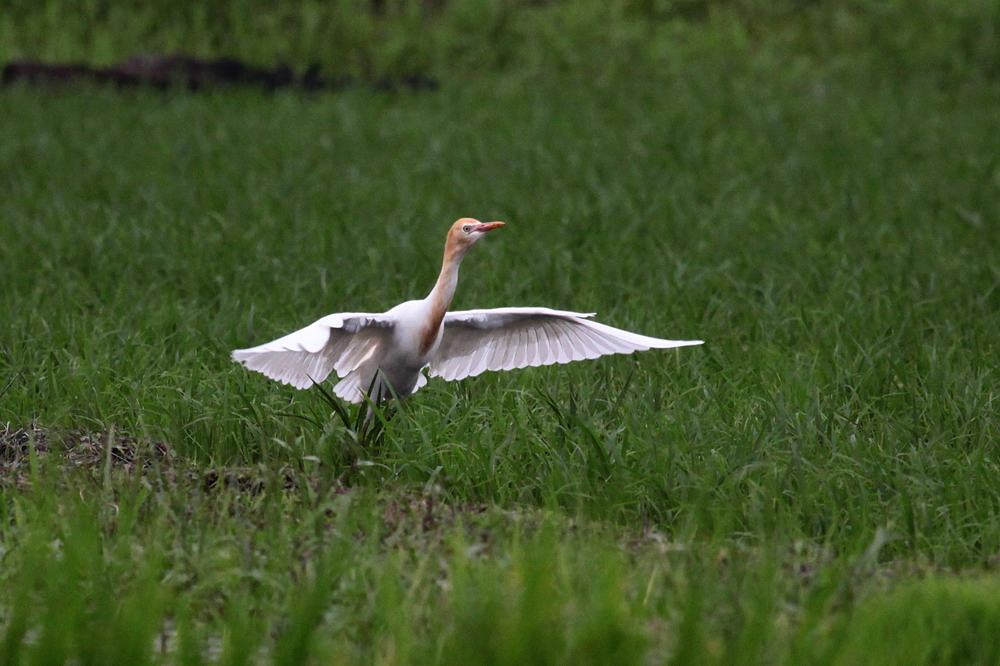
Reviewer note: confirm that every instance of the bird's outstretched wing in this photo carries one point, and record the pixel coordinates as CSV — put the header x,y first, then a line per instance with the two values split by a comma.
x,y
475,341
338,342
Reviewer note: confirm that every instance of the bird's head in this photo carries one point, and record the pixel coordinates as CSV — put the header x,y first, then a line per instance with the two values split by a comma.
x,y
467,231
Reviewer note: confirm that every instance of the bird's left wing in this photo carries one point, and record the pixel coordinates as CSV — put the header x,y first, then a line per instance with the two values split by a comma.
x,y
475,341
337,342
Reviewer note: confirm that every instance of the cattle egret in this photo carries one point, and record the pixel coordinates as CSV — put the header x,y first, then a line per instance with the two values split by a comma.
x,y
386,353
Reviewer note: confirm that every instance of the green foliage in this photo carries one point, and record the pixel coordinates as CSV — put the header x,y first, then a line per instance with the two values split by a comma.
x,y
831,241
933,621
811,192
519,613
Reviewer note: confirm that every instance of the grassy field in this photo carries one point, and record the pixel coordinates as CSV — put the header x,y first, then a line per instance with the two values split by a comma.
x,y
817,484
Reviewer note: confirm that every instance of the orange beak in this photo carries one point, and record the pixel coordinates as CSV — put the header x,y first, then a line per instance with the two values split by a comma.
x,y
489,226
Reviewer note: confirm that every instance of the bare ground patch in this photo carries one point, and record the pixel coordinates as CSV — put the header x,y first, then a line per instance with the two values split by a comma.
x,y
77,448
407,512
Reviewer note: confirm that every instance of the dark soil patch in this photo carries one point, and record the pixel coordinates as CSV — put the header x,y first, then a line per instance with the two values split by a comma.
x,y
408,514
122,453
426,512
79,449
179,70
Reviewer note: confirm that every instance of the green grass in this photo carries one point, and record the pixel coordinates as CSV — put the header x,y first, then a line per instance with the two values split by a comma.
x,y
820,474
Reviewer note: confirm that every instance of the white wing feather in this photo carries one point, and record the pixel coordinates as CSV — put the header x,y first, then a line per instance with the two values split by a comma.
x,y
475,341
338,342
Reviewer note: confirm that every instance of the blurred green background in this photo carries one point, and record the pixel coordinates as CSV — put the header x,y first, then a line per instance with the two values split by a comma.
x,y
933,38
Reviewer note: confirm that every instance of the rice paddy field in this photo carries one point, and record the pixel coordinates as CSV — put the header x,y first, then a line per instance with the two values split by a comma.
x,y
818,199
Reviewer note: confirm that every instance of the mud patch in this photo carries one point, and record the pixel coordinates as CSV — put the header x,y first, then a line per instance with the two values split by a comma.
x,y
251,480
118,452
180,70
426,511
16,443
78,449
407,515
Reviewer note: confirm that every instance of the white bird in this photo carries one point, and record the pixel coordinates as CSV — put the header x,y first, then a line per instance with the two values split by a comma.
x,y
385,353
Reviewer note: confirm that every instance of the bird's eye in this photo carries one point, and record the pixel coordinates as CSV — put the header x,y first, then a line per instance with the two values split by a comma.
x,y
467,228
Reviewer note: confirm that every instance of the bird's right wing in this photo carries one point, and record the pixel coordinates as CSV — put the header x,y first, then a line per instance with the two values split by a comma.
x,y
337,342
475,341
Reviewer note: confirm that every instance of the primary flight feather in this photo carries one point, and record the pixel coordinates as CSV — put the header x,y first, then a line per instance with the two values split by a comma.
x,y
387,352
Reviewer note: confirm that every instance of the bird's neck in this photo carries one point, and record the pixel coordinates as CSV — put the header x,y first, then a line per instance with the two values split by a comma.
x,y
440,298
444,289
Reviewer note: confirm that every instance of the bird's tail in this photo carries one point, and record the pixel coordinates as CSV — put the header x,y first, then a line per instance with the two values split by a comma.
x,y
365,382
